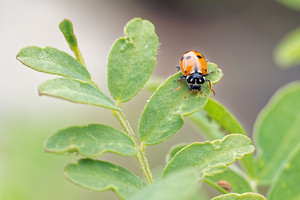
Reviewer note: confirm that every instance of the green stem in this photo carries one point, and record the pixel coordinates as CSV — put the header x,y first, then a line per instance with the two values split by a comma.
x,y
141,156
216,186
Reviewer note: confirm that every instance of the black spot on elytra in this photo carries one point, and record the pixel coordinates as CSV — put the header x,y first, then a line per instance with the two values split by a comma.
x,y
182,58
188,57
198,56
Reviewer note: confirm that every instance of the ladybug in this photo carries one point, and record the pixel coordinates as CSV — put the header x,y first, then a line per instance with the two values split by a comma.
x,y
193,67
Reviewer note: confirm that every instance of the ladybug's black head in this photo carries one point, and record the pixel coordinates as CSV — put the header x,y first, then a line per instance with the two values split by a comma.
x,y
195,80
195,88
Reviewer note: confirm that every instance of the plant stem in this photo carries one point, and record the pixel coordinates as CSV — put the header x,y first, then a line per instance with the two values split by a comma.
x,y
141,157
219,188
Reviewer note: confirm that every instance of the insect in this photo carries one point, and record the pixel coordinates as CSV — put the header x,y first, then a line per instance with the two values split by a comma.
x,y
193,67
225,185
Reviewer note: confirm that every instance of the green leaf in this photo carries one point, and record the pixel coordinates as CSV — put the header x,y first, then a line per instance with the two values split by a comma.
x,y
276,131
286,183
237,181
76,91
153,83
245,196
174,150
101,176
214,77
53,61
91,141
222,115
287,52
180,185
293,4
211,157
132,59
206,125
66,27
215,73
163,114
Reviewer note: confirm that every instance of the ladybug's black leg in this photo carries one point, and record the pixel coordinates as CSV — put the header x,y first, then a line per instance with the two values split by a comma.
x,y
178,67
182,77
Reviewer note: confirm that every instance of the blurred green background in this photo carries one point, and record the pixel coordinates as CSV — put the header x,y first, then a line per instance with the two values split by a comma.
x,y
239,36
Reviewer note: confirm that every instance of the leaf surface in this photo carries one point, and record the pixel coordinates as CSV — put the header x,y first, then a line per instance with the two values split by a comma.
x,y
286,184
206,125
101,176
91,141
245,196
76,91
238,182
132,59
276,131
66,27
179,185
163,114
227,121
211,157
223,116
53,61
